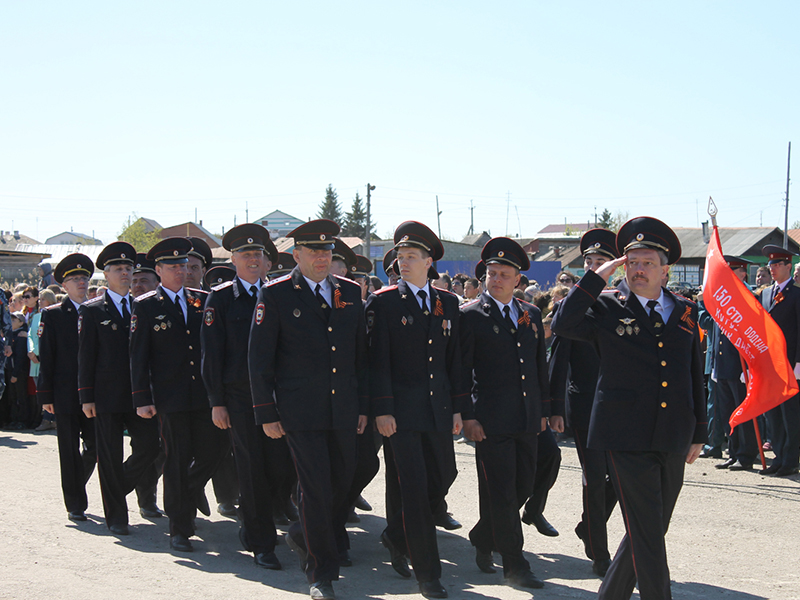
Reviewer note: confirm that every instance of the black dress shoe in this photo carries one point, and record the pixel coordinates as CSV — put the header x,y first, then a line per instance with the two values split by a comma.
x,y
711,453
786,471
541,524
739,466
267,560
227,509
446,521
770,470
77,516
362,504
322,590
201,502
298,549
150,511
524,579
398,559
118,529
432,589
344,559
352,517
484,560
726,464
180,543
600,567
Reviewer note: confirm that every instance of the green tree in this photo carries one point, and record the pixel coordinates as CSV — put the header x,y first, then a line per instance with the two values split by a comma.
x,y
134,231
619,220
606,220
355,222
330,209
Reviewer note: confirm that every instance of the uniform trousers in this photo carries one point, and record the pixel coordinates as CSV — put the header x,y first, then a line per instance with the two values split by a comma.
x,y
193,446
118,478
647,485
77,455
784,422
147,488
325,461
548,463
599,498
425,466
506,471
716,427
742,443
263,464
367,463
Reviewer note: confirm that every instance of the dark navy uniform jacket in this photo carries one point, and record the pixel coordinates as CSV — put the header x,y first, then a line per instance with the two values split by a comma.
x,y
58,357
650,394
506,371
226,329
415,360
307,371
165,352
723,357
104,367
574,366
786,313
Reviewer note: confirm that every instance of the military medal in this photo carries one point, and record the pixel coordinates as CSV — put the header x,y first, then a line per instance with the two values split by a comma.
x,y
636,329
163,325
410,319
155,328
105,322
114,326
296,312
629,330
620,330
404,320
496,328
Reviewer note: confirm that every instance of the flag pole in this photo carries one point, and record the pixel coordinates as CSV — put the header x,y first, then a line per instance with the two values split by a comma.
x,y
712,212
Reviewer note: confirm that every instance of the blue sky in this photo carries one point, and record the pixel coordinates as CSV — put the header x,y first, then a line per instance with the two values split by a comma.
x,y
541,111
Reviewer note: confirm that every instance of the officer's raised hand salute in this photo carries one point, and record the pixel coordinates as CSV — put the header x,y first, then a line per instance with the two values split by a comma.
x,y
649,407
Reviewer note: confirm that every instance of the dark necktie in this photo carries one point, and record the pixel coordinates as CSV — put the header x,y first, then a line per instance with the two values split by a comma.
x,y
254,290
126,316
776,291
423,302
178,305
509,321
655,317
325,308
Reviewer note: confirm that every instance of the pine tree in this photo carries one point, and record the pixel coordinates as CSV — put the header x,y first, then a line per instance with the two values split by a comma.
x,y
606,219
355,222
330,209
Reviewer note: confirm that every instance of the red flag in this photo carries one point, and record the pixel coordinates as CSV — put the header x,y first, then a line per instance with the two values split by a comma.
x,y
753,331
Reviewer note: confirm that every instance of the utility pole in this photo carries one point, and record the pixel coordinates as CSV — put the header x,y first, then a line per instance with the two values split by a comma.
x,y
195,214
438,220
508,206
369,223
246,212
786,215
471,218
595,216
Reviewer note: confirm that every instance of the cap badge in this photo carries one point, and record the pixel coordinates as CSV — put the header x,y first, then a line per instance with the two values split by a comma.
x,y
322,236
596,245
353,268
175,253
122,255
639,237
78,266
404,238
501,254
249,240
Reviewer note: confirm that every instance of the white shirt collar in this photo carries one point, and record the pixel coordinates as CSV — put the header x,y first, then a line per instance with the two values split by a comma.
x,y
512,307
661,300
415,289
117,299
172,294
246,286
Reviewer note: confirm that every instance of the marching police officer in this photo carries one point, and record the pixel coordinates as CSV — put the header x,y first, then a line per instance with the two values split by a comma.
x,y
167,384
104,380
57,386
574,366
504,361
415,370
782,300
262,463
308,374
649,406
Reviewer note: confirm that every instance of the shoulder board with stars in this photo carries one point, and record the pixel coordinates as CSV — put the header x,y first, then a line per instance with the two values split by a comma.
x,y
221,286
145,296
470,303
95,300
272,282
383,290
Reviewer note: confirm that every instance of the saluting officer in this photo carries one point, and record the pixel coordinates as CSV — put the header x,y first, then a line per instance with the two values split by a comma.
x,y
104,380
308,375
262,463
782,300
57,386
415,370
504,361
574,366
649,406
167,384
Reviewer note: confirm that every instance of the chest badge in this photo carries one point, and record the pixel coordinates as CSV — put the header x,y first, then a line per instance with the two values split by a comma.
x,y
495,328
114,326
296,312
620,330
106,322
404,321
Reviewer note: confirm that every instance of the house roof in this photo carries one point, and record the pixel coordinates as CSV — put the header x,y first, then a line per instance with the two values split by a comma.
x,y
476,239
567,256
59,251
150,224
561,228
278,217
736,241
10,239
86,239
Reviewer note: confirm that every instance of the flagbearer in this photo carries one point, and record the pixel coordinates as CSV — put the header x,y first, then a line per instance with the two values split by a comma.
x,y
782,300
649,406
726,370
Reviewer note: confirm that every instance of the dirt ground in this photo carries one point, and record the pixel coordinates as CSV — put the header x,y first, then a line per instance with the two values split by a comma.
x,y
734,536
